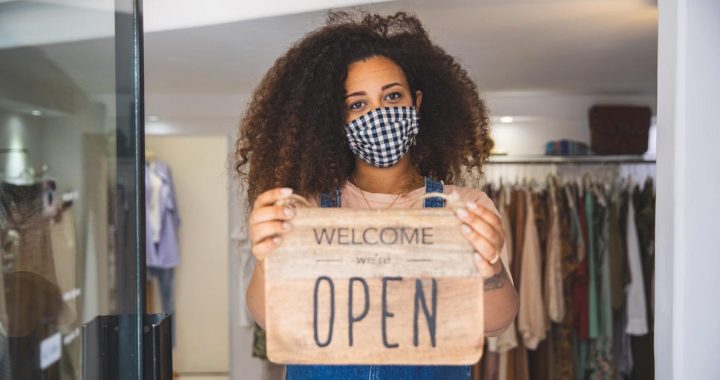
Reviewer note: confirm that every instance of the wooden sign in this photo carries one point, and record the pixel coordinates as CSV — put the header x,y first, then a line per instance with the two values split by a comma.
x,y
374,287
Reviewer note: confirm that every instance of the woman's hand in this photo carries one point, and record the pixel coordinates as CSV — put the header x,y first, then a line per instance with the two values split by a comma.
x,y
268,222
483,228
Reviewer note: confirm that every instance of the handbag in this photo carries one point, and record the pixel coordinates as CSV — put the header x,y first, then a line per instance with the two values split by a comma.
x,y
619,129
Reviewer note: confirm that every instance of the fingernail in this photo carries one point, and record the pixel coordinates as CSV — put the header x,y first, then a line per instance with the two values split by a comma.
x,y
287,226
288,211
285,191
276,239
462,213
465,229
471,205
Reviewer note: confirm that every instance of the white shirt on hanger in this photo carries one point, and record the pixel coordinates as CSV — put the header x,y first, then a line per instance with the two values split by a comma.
x,y
154,203
637,323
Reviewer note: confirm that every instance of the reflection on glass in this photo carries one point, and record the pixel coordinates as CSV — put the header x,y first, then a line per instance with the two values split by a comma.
x,y
61,203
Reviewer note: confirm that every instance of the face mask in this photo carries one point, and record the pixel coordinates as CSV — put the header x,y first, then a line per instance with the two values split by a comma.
x,y
382,136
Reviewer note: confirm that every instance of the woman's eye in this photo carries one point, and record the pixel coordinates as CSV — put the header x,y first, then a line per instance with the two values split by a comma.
x,y
393,96
356,105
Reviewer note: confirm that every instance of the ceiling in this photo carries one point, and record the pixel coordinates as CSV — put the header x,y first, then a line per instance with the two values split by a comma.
x,y
540,47
585,46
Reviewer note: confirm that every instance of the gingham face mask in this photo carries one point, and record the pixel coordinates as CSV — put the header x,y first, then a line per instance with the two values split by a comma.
x,y
382,136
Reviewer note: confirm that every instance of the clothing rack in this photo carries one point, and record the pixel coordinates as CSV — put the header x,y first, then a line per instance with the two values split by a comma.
x,y
569,160
535,168
578,231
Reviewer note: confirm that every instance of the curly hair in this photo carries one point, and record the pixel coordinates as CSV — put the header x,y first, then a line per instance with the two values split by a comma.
x,y
292,131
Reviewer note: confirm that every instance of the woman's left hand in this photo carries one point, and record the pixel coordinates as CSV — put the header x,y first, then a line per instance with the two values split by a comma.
x,y
483,228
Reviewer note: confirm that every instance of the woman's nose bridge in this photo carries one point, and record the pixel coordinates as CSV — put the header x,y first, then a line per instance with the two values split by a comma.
x,y
377,100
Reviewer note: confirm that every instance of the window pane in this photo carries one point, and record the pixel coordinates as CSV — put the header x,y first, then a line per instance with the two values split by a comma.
x,y
68,186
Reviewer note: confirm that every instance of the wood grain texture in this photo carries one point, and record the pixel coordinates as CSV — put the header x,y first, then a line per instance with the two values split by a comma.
x,y
399,256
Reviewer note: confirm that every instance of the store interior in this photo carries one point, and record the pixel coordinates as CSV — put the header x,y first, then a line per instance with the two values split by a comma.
x,y
540,66
66,155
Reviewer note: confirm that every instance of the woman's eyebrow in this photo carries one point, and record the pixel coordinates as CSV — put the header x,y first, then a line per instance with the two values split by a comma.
x,y
383,88
356,93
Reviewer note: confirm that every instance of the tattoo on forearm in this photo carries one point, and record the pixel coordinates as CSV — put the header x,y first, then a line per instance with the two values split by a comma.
x,y
497,281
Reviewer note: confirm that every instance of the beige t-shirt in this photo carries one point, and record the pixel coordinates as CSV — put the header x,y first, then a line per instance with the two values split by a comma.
x,y
351,197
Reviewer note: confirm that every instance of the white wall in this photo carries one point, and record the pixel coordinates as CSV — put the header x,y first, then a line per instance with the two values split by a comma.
x,y
687,331
539,116
198,166
217,115
544,116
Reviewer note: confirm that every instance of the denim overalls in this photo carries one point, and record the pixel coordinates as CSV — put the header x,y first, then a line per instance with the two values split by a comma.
x,y
379,372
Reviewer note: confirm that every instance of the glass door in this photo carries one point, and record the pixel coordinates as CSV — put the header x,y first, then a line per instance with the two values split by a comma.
x,y
71,288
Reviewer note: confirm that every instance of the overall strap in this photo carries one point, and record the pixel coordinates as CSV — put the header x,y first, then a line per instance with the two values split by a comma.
x,y
330,199
433,186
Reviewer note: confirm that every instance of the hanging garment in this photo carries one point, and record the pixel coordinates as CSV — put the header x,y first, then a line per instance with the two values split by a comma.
x,y
645,222
564,363
580,282
25,231
553,273
642,346
163,251
591,340
636,302
154,213
65,255
503,365
33,306
508,339
602,222
617,248
259,346
600,364
32,294
592,267
488,368
622,351
540,359
531,315
515,361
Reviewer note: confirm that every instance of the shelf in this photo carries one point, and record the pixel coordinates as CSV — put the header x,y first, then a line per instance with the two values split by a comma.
x,y
570,160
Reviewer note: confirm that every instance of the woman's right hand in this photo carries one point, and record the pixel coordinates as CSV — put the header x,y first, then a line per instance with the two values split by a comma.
x,y
268,222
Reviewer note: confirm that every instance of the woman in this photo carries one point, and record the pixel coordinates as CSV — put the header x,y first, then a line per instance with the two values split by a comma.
x,y
371,112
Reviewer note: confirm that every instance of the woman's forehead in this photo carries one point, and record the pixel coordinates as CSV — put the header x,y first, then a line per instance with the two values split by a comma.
x,y
378,71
